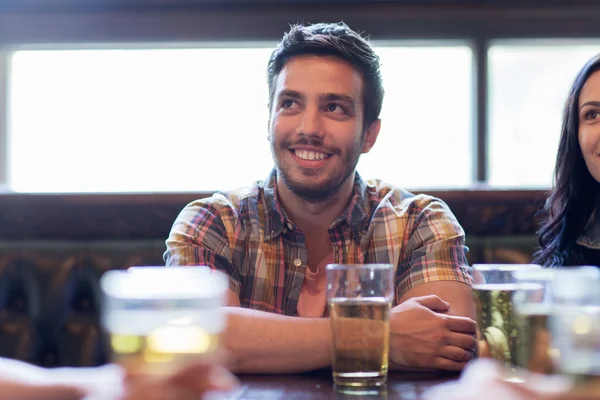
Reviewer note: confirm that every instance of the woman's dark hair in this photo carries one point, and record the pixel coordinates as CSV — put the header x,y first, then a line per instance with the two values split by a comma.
x,y
335,39
573,201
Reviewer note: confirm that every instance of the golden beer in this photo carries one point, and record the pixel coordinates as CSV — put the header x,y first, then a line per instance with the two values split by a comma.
x,y
158,318
361,334
162,350
520,339
534,350
496,323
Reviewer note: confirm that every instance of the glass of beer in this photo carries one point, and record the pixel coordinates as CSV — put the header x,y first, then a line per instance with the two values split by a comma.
x,y
575,323
533,305
159,318
497,330
359,299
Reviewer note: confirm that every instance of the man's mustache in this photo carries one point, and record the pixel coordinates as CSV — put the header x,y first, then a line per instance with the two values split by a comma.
x,y
314,142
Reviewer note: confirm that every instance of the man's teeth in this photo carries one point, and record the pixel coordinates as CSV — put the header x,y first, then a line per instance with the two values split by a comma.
x,y
310,155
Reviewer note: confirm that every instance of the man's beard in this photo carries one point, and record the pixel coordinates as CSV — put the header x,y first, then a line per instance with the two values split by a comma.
x,y
311,191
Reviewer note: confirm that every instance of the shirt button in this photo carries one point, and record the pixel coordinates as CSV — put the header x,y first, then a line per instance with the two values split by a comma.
x,y
297,262
290,227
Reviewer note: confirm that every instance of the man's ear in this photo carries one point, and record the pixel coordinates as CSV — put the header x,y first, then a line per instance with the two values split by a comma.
x,y
371,136
269,131
269,124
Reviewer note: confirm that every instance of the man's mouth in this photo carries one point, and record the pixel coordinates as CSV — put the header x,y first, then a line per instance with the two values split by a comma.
x,y
310,155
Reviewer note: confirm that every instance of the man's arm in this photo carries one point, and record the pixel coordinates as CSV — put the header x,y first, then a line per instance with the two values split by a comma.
x,y
432,326
457,294
256,341
263,342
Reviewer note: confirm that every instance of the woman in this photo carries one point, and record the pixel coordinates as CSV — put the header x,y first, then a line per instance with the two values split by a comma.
x,y
570,229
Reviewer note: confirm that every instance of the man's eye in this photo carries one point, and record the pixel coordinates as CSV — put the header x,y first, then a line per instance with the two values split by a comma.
x,y
332,107
287,104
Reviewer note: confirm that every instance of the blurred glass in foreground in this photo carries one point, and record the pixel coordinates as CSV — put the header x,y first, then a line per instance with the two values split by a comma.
x,y
575,322
493,294
158,318
533,305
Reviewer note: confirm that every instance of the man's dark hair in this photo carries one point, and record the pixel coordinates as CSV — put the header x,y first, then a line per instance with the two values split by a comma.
x,y
335,39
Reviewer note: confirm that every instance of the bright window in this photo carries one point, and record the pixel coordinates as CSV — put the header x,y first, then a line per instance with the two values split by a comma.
x,y
425,139
529,84
153,120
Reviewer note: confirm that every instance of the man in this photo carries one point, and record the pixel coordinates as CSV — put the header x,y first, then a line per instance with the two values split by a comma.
x,y
274,239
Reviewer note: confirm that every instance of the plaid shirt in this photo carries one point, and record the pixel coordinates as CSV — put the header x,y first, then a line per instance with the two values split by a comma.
x,y
247,235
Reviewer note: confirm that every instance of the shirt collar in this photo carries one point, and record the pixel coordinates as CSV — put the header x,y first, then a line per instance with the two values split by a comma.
x,y
591,237
354,215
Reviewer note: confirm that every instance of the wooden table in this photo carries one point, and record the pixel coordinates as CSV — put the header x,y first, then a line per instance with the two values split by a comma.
x,y
318,385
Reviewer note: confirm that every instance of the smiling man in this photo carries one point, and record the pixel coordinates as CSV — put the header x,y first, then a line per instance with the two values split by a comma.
x,y
275,238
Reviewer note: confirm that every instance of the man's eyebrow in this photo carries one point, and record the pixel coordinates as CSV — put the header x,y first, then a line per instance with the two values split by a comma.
x,y
338,97
590,103
289,93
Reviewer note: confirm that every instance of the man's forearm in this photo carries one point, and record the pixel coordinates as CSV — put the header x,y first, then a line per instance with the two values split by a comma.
x,y
262,342
405,368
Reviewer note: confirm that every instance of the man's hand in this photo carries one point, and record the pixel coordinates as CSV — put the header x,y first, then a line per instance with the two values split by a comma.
x,y
191,382
23,381
15,390
423,337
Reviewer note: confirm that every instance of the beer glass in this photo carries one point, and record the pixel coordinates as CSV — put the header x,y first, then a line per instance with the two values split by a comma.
x,y
493,293
359,299
533,305
575,322
158,318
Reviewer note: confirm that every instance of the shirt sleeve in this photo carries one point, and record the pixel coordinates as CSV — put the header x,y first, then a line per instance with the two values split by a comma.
x,y
200,236
435,249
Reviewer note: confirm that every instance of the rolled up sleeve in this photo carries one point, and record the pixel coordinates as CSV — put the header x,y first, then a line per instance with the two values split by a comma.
x,y
435,249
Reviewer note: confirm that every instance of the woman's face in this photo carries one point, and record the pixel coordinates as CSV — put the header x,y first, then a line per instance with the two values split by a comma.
x,y
589,124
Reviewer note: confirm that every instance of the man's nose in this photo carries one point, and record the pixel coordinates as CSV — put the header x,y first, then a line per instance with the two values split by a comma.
x,y
311,123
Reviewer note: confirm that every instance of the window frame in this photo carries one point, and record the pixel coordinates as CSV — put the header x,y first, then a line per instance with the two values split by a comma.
x,y
404,43
40,22
98,24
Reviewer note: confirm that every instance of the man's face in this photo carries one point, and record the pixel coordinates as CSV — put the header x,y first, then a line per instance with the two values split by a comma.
x,y
316,125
